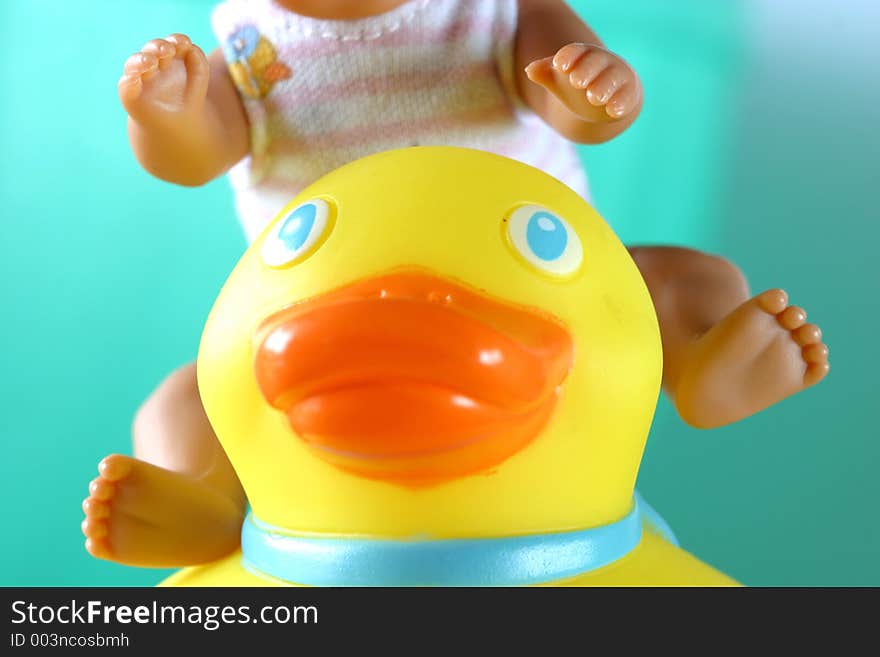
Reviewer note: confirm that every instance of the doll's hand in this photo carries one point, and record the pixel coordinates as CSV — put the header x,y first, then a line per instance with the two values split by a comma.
x,y
166,81
592,82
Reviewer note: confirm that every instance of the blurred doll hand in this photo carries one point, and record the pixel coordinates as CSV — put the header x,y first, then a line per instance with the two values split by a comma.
x,y
166,81
592,82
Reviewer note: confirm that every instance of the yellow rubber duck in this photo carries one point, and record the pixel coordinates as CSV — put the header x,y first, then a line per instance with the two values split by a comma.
x,y
438,366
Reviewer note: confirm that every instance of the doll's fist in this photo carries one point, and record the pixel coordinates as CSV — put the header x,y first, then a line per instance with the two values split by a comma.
x,y
591,81
168,77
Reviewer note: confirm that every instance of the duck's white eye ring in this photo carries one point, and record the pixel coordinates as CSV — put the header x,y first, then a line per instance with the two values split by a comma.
x,y
297,233
545,240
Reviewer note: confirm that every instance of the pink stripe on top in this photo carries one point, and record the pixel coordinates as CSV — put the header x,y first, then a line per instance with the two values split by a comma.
x,y
376,85
321,93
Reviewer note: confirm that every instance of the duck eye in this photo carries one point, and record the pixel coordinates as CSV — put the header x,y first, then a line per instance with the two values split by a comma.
x,y
297,233
545,240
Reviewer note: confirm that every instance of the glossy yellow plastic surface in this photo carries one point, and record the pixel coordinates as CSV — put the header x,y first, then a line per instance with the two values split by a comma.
x,y
445,211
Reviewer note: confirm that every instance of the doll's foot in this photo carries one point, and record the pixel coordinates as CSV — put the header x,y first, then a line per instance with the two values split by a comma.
x,y
166,78
143,515
761,353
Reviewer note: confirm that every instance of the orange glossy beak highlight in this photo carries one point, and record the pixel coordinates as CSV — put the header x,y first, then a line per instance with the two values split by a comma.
x,y
411,378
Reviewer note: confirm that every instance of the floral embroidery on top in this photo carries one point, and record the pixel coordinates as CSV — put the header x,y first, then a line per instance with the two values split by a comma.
x,y
253,62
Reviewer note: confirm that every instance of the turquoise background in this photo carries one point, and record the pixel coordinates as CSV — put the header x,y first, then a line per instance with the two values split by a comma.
x,y
758,140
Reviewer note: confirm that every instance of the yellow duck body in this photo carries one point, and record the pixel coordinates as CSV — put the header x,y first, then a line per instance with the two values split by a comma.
x,y
449,213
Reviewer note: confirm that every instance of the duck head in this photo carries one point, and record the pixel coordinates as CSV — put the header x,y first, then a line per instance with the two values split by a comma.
x,y
434,342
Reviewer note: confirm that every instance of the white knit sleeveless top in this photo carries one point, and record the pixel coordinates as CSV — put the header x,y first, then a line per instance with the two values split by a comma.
x,y
321,93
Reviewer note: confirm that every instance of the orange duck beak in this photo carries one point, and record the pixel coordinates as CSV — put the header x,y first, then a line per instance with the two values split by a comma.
x,y
411,378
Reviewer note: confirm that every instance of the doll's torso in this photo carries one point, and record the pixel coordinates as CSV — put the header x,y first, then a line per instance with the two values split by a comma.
x,y
322,93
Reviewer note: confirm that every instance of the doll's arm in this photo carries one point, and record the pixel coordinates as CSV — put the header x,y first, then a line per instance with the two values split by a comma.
x,y
586,93
186,121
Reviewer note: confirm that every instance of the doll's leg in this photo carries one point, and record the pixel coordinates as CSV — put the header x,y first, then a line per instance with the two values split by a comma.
x,y
179,501
726,356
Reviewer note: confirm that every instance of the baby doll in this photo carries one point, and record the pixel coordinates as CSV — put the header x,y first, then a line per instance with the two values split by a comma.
x,y
300,87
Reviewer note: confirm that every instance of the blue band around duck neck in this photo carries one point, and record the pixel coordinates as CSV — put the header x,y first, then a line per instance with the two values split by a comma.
x,y
505,561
